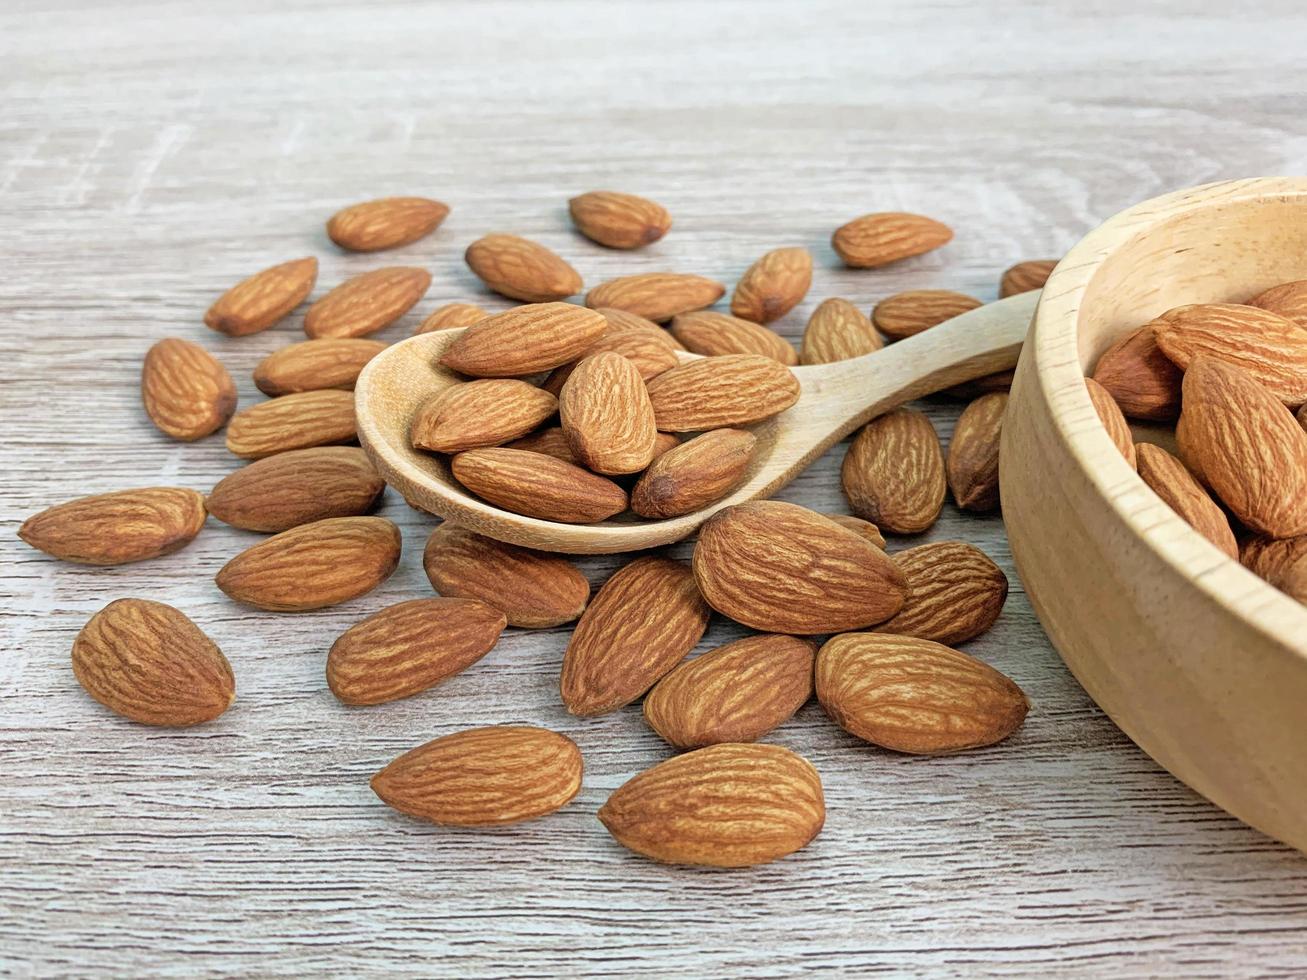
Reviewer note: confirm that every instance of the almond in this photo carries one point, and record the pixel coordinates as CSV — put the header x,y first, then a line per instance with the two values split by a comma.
x,y
1287,299
955,593
736,693
150,663
551,442
186,392
728,806
533,589
310,365
906,314
521,269
913,695
878,239
664,442
657,296
650,355
483,777
314,565
479,413
300,421
640,624
1271,348
1242,441
621,321
863,529
619,220
606,415
410,646
773,285
972,465
452,315
1302,417
1143,381
694,474
525,340
263,299
837,331
1026,276
367,303
1282,563
538,486
783,569
116,528
385,223
298,487
716,334
717,392
1171,480
893,473
1109,413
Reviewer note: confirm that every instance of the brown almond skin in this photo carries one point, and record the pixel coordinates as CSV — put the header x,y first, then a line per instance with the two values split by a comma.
x,y
1025,276
525,340
1289,299
1143,381
483,777
915,696
551,441
773,285
955,593
297,487
619,220
728,806
367,303
1282,563
314,565
888,236
186,391
480,413
893,472
649,351
263,299
864,529
1242,441
299,421
1113,419
781,568
908,314
119,527
452,315
721,392
311,365
1171,480
1302,417
605,413
656,296
620,321
736,693
972,464
387,222
409,647
148,662
694,474
1270,347
640,624
716,334
522,269
537,485
837,331
533,589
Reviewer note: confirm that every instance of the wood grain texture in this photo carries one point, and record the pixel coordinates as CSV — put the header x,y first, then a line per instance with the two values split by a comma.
x,y
150,169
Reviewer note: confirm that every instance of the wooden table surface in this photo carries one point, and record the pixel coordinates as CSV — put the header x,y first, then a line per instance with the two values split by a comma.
x,y
153,154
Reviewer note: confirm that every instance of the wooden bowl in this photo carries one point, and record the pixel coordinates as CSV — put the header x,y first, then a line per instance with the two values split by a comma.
x,y
1195,658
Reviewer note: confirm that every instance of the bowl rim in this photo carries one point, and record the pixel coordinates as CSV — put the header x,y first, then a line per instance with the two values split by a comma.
x,y
1054,341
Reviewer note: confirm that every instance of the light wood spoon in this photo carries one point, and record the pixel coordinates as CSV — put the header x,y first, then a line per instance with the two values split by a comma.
x,y
836,399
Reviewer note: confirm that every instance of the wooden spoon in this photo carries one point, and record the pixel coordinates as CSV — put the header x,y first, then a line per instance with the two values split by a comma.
x,y
836,399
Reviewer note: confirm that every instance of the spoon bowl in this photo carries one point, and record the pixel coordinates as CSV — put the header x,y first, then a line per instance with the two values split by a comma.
x,y
835,399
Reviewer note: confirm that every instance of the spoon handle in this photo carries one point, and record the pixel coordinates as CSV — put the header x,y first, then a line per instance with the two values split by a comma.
x,y
979,342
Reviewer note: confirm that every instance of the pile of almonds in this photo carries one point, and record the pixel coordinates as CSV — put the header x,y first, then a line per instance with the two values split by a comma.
x,y
1231,377
887,671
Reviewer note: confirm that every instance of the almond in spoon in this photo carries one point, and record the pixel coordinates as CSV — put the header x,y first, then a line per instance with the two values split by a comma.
x,y
719,392
538,486
1171,480
479,413
694,474
605,413
525,340
657,296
